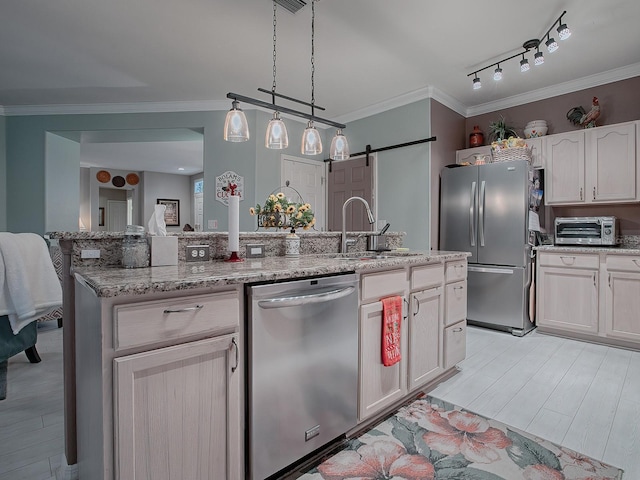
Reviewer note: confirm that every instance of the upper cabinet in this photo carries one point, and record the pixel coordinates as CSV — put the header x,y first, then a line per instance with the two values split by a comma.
x,y
592,166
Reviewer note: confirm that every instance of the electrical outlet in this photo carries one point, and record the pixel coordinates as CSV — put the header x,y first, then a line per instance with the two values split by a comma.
x,y
197,253
212,224
90,254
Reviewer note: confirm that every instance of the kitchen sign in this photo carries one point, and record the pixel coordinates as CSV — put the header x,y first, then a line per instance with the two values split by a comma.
x,y
222,186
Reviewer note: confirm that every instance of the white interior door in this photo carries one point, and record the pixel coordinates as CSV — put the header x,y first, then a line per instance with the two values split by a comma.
x,y
307,177
116,216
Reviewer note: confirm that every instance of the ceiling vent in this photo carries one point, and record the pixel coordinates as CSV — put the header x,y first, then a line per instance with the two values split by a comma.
x,y
292,5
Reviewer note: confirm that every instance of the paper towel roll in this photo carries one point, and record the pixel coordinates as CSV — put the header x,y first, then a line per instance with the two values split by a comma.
x,y
234,223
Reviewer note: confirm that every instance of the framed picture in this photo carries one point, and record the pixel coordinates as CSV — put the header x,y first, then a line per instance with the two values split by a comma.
x,y
101,216
172,213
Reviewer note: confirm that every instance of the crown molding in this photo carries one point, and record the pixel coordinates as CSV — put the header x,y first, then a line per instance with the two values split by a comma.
x,y
106,108
591,81
394,102
448,101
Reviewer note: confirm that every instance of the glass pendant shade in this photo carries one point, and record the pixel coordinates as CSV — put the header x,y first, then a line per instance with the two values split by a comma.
x,y
311,141
524,65
564,32
339,147
497,75
552,45
276,136
236,128
538,58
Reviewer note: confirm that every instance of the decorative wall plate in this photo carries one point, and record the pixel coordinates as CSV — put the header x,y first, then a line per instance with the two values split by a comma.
x,y
103,176
133,179
118,181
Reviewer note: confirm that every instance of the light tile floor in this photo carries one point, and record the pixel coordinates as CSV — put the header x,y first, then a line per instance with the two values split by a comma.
x,y
580,395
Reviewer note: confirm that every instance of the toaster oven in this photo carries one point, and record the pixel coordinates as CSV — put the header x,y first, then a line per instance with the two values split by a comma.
x,y
586,231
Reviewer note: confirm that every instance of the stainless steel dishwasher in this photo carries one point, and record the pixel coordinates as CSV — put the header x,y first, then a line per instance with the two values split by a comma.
x,y
302,369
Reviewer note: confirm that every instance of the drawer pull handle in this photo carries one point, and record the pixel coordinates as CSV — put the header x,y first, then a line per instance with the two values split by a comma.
x,y
417,306
457,330
566,261
407,302
185,309
233,342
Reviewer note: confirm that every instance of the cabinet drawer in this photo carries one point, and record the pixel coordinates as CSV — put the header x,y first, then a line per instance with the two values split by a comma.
x,y
623,263
575,260
149,322
427,276
455,302
455,271
455,344
379,285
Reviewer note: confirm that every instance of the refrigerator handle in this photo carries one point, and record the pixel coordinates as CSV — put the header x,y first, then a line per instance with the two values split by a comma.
x,y
472,207
481,213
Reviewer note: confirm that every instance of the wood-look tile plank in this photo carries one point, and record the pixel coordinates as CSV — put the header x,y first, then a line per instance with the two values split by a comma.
x,y
39,470
32,454
550,425
623,445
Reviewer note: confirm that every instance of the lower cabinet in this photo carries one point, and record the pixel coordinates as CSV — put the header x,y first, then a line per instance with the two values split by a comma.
x,y
455,344
568,292
177,411
622,298
425,343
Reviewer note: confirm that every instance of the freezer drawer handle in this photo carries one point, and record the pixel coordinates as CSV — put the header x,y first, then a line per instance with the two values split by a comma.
x,y
182,310
490,270
297,300
472,224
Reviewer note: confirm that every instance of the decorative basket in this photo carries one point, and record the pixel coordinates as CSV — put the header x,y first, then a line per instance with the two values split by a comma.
x,y
511,153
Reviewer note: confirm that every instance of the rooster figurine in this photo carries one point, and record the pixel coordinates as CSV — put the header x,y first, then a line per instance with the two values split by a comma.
x,y
578,115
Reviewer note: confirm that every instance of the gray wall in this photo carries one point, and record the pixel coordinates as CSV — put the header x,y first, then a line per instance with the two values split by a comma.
x,y
62,183
173,187
3,175
404,173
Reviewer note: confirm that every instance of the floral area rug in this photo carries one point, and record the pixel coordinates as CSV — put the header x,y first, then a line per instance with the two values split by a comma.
x,y
434,440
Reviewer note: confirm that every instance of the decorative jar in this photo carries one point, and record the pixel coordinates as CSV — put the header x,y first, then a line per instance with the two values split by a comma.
x,y
292,244
476,137
135,248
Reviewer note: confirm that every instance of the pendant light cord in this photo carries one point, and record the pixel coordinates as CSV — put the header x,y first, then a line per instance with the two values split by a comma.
x,y
313,65
273,88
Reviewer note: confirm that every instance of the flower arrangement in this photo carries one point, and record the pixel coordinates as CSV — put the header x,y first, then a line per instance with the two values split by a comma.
x,y
279,212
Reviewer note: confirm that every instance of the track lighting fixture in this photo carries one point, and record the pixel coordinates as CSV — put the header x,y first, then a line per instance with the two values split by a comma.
x,y
237,130
538,58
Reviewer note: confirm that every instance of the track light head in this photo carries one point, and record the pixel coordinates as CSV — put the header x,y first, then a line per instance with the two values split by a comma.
x,y
477,84
563,31
524,64
497,74
538,58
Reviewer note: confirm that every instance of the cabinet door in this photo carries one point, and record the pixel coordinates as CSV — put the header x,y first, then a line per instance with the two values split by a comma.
x,y
611,163
568,299
622,304
380,386
564,174
537,152
455,344
468,155
177,412
425,343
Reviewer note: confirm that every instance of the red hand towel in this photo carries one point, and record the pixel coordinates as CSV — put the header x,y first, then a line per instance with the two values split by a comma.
x,y
391,319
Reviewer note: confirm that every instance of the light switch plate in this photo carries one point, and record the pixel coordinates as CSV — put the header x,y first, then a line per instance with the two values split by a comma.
x,y
197,253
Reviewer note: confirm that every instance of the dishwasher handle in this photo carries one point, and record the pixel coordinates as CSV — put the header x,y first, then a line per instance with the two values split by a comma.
x,y
305,299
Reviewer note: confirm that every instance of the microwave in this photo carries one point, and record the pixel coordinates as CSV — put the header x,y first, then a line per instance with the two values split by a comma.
x,y
586,231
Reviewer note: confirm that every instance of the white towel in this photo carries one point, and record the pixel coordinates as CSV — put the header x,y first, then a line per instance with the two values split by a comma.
x,y
29,286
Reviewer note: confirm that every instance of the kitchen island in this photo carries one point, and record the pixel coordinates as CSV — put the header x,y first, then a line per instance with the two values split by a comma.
x,y
161,359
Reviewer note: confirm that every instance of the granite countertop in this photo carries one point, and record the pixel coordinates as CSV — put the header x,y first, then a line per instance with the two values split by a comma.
x,y
115,281
620,250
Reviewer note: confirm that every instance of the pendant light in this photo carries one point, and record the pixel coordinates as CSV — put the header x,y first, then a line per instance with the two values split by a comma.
x,y
339,147
311,140
276,136
236,128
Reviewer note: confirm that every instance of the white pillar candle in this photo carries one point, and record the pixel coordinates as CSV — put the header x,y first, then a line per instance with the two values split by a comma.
x,y
234,223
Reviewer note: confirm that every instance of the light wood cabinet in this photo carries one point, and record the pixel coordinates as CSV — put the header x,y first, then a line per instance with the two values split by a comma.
x,y
468,155
177,412
426,320
568,294
564,171
622,297
159,387
380,386
591,166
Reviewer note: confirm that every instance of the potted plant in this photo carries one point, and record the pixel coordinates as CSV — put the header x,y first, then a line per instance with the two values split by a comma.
x,y
499,130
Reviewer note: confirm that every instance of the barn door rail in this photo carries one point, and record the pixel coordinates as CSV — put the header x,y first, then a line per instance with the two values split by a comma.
x,y
370,150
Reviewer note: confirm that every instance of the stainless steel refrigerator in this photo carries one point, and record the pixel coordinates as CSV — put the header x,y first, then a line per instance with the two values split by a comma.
x,y
484,209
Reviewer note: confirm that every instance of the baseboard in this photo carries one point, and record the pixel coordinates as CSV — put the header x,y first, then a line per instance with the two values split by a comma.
x,y
66,472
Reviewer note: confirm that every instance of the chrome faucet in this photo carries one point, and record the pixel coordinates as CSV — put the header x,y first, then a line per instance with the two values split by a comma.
x,y
345,243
